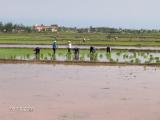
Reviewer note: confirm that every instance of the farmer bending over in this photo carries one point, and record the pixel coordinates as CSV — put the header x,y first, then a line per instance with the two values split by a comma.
x,y
108,49
92,49
37,51
69,46
54,47
76,53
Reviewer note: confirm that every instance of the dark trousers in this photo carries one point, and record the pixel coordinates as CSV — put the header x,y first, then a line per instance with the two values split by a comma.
x,y
54,50
69,50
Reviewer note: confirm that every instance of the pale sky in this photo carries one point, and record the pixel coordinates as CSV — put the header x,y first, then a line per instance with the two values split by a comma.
x,y
83,13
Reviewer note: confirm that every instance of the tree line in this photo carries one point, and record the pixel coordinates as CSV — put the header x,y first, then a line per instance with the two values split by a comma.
x,y
116,30
108,30
14,28
11,28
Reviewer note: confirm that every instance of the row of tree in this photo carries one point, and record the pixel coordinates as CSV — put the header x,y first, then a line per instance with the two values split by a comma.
x,y
108,30
116,30
10,27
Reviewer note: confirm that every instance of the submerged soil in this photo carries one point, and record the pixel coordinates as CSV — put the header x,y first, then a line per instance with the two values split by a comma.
x,y
81,47
66,92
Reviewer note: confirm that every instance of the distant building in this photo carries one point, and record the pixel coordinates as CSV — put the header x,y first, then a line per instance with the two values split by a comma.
x,y
52,28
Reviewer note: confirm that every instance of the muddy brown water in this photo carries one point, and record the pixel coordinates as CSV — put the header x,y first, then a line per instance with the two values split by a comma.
x,y
66,92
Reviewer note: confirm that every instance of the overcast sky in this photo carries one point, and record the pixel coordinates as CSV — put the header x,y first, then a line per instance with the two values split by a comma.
x,y
83,13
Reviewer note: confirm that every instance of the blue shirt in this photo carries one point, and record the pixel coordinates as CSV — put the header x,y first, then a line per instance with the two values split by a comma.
x,y
54,45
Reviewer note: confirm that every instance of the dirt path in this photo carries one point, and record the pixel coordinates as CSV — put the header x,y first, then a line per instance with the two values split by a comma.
x,y
66,92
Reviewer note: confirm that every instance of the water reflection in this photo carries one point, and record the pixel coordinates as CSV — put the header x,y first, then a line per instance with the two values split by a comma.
x,y
76,53
53,56
69,56
108,56
93,56
100,56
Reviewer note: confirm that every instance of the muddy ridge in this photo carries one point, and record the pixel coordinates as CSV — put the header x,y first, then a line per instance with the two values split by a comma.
x,y
88,63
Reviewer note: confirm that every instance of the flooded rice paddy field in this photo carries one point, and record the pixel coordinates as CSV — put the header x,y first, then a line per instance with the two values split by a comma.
x,y
81,47
116,56
66,92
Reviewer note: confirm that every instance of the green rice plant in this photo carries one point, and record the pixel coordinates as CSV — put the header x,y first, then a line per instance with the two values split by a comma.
x,y
147,62
137,61
88,55
61,54
145,56
118,53
93,56
111,60
49,54
108,56
132,61
157,58
28,56
125,56
151,58
45,58
53,57
11,57
139,53
131,57
157,61
82,58
142,53
69,56
21,57
135,54
101,55
117,60
14,56
41,55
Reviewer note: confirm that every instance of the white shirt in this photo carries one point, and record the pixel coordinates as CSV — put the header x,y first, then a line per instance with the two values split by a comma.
x,y
69,45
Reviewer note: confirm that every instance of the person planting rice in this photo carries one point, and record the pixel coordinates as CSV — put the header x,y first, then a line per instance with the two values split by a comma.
x,y
76,53
37,51
92,53
54,47
92,49
108,49
69,46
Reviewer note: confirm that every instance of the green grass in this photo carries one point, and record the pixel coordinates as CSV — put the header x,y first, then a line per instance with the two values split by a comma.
x,y
77,38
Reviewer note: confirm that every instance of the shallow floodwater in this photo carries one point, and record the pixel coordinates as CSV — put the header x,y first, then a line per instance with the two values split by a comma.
x,y
80,46
114,56
66,92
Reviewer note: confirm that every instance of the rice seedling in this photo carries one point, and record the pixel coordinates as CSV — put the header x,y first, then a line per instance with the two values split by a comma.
x,y
137,61
28,56
101,56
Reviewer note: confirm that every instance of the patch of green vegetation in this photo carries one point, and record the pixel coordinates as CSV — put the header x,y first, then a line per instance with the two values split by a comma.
x,y
77,38
116,56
